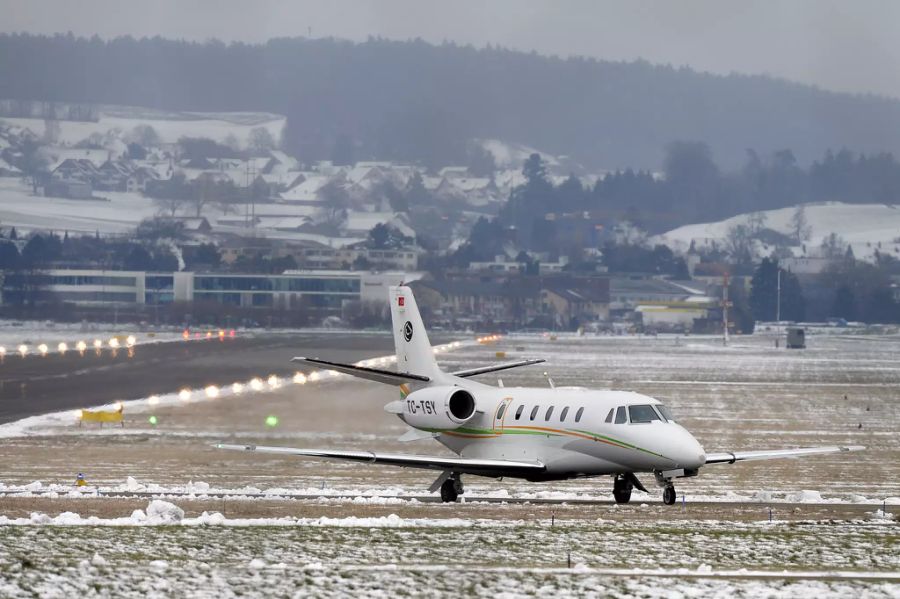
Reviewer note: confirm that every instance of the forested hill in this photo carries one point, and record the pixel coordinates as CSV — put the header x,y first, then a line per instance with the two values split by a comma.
x,y
417,101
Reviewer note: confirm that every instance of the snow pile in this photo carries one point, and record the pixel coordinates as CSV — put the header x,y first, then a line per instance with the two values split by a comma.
x,y
882,515
805,496
198,487
164,512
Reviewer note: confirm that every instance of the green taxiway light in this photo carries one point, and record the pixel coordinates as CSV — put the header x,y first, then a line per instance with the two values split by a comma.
x,y
153,420
271,420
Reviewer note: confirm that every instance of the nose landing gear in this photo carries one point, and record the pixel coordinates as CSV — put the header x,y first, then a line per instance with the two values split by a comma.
x,y
669,495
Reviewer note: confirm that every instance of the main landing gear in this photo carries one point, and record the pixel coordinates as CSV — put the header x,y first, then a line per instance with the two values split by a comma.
x,y
451,489
622,488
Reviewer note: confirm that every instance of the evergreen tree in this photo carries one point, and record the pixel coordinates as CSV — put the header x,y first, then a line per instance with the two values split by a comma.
x,y
9,256
844,303
764,293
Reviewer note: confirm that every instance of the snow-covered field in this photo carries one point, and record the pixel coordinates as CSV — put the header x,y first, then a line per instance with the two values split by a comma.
x,y
863,226
339,529
120,214
157,552
120,121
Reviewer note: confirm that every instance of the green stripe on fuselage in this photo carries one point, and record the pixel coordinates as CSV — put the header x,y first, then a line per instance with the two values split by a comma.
x,y
518,431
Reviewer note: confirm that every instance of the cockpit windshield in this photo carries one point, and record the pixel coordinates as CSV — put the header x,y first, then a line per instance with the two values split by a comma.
x,y
666,412
644,413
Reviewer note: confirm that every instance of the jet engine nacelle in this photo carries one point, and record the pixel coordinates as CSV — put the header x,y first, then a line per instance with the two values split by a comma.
x,y
438,408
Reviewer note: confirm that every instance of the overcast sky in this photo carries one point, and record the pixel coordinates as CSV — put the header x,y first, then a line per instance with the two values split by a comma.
x,y
846,46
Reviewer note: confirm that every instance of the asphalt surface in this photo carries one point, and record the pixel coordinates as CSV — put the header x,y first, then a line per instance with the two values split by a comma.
x,y
37,385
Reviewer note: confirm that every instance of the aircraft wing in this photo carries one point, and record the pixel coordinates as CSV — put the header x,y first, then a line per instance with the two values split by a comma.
x,y
483,467
388,377
495,368
774,454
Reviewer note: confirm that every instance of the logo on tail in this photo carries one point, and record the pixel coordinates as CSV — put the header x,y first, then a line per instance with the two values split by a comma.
x,y
408,331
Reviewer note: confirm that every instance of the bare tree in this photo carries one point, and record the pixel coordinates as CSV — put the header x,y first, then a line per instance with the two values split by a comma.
x,y
834,246
260,140
145,135
756,222
800,228
170,206
739,244
336,200
34,162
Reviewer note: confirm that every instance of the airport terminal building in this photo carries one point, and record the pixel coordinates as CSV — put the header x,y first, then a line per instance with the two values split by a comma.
x,y
322,289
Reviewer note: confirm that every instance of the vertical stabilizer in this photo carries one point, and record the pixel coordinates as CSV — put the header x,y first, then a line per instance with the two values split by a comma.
x,y
414,352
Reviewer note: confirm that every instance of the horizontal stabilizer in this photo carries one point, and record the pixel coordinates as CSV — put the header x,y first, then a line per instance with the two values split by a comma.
x,y
495,368
388,377
774,454
479,466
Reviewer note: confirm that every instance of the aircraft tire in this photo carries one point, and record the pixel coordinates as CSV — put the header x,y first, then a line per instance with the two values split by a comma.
x,y
669,495
622,490
449,494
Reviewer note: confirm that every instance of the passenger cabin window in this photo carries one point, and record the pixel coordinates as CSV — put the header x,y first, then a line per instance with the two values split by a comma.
x,y
621,418
519,411
610,415
642,414
666,412
563,414
534,412
578,414
501,410
549,413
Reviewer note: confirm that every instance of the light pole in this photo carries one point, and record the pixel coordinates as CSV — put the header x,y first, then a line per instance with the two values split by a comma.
x,y
778,298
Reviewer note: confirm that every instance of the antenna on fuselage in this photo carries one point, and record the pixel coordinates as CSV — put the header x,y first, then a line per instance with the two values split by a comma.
x,y
500,383
550,380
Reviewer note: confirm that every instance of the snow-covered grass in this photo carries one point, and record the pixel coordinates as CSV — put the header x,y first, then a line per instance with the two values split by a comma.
x,y
121,214
157,552
863,226
120,121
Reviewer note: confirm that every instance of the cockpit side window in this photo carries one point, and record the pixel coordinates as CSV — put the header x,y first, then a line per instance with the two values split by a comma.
x,y
534,412
610,415
519,411
621,418
642,414
666,412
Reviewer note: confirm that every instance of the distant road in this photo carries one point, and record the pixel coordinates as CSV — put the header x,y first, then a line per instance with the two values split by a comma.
x,y
38,385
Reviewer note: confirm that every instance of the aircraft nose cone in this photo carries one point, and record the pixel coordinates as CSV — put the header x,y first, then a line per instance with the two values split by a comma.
x,y
691,454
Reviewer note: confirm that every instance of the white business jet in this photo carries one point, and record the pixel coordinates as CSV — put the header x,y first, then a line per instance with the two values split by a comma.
x,y
537,434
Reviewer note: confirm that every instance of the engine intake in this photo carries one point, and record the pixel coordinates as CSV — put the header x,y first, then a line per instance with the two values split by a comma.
x,y
438,408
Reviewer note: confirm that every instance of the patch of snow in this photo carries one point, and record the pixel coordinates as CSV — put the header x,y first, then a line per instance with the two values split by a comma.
x,y
863,226
164,512
805,496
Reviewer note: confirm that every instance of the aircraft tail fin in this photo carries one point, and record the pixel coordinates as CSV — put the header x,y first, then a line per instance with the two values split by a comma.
x,y
414,352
